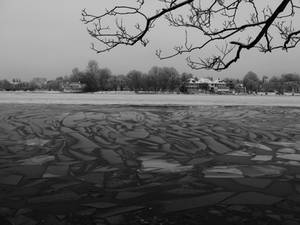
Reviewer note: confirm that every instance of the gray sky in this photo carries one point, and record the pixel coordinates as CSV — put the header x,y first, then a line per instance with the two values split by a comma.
x,y
45,38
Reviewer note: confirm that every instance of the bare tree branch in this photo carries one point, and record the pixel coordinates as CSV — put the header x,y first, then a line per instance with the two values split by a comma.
x,y
216,21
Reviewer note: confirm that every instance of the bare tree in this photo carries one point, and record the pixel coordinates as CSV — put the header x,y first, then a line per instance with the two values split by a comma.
x,y
231,26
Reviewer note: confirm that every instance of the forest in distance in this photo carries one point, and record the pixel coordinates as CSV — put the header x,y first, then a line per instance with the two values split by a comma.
x,y
157,79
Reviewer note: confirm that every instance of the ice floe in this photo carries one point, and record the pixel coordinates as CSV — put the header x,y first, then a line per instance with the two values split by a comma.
x,y
153,164
37,160
257,145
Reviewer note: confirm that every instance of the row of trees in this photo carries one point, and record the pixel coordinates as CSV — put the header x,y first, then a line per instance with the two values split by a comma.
x,y
158,79
166,79
289,82
17,84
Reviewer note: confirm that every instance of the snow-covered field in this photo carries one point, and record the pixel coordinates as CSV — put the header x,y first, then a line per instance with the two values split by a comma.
x,y
146,99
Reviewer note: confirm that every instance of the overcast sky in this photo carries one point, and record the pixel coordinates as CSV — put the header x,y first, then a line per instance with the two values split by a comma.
x,y
45,38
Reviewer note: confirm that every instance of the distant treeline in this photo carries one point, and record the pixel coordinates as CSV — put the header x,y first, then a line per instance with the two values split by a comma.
x,y
289,82
101,79
158,79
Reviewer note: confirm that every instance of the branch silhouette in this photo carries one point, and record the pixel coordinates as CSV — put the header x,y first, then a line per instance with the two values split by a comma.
x,y
219,23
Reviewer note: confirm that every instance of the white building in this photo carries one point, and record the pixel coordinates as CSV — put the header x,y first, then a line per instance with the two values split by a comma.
x,y
206,85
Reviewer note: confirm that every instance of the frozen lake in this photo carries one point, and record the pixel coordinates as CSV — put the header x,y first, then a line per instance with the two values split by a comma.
x,y
139,165
146,99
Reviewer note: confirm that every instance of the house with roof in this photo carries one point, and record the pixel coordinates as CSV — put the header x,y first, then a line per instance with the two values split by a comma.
x,y
206,85
74,87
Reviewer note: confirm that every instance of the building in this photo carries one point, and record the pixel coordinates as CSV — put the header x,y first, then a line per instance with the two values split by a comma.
x,y
205,85
74,87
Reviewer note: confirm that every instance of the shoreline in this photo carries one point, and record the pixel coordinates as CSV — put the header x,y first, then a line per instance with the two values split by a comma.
x,y
147,99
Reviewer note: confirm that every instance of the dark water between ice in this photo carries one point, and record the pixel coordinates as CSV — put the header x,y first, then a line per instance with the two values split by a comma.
x,y
100,164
